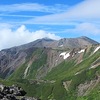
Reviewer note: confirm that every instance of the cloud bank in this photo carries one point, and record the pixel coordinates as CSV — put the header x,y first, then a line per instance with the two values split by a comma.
x,y
10,38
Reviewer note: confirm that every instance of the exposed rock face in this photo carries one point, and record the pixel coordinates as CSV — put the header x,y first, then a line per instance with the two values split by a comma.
x,y
10,59
12,93
73,42
53,60
66,85
83,89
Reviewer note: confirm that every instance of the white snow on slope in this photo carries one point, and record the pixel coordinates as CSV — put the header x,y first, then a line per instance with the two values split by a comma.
x,y
65,55
26,70
96,49
83,50
61,45
77,73
92,67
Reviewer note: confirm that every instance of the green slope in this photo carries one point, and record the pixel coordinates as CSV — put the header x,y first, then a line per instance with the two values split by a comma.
x,y
40,60
64,72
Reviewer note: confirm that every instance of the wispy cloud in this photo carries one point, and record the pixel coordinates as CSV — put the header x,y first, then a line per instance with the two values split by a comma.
x,y
10,37
87,10
12,15
84,29
33,7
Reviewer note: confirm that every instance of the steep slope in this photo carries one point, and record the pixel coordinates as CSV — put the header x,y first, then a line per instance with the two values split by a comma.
x,y
44,42
12,58
73,42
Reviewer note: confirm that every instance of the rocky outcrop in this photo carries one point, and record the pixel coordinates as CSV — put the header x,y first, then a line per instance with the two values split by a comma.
x,y
73,42
11,59
84,89
66,85
13,93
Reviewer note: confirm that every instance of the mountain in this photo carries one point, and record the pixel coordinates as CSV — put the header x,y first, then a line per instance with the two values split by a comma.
x,y
73,42
64,42
65,69
44,42
12,58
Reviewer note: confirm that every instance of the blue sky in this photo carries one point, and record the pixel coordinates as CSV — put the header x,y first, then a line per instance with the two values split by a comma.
x,y
23,21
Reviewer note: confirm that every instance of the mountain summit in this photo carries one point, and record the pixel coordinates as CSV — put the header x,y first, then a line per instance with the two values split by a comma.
x,y
76,42
62,43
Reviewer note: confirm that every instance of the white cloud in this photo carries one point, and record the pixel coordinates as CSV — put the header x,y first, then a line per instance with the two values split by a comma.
x,y
5,25
12,15
88,10
88,28
22,35
85,29
33,7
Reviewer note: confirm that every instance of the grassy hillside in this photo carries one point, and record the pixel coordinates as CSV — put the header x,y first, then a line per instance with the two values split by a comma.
x,y
64,81
40,60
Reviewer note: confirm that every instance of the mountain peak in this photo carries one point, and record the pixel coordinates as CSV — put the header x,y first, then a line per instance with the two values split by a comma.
x,y
47,38
64,43
83,37
76,42
91,41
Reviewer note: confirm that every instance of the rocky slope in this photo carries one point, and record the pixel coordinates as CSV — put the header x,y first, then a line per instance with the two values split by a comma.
x,y
73,42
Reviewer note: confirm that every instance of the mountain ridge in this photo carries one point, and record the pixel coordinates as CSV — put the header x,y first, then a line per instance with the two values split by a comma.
x,y
47,42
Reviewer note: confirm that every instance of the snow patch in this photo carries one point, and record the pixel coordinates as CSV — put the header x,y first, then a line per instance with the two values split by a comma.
x,y
61,45
96,49
83,50
77,73
65,55
92,67
26,70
